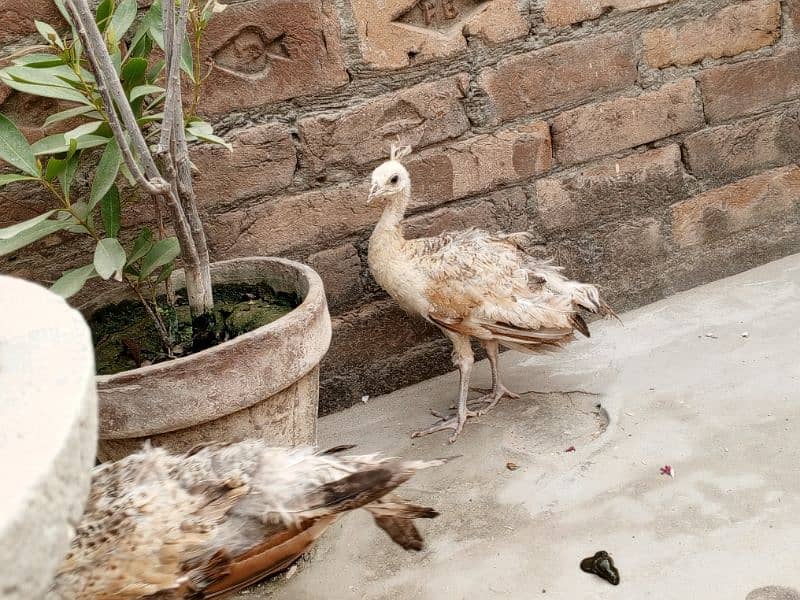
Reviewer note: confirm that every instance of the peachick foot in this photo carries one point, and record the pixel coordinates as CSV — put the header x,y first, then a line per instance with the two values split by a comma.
x,y
456,423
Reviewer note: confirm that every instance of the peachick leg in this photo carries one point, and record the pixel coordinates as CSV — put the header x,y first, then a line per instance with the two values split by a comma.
x,y
463,358
498,389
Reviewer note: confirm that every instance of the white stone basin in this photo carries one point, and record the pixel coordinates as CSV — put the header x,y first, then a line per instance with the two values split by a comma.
x,y
48,433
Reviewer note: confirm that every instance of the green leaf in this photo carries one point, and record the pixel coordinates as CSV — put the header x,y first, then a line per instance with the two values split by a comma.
x,y
45,91
6,233
109,258
71,282
30,235
81,209
166,271
144,90
14,148
68,174
14,177
55,167
39,60
211,138
155,71
58,76
134,71
161,253
110,211
71,113
82,130
106,173
103,15
57,143
123,18
49,34
187,61
142,245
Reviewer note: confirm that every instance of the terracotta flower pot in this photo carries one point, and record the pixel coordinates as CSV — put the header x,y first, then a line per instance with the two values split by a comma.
x,y
263,384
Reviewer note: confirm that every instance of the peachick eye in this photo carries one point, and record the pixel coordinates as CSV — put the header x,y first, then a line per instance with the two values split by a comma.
x,y
394,179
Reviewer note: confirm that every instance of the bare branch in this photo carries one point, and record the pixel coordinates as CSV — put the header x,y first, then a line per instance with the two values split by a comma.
x,y
114,96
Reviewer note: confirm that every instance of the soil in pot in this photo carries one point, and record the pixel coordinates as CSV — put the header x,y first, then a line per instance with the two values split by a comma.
x,y
125,337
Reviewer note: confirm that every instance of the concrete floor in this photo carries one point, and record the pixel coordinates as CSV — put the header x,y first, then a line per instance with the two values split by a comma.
x,y
707,381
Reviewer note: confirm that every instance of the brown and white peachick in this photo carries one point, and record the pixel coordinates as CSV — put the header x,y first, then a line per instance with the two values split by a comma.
x,y
207,523
473,284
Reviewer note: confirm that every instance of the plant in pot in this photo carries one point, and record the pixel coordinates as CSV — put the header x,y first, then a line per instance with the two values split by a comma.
x,y
175,366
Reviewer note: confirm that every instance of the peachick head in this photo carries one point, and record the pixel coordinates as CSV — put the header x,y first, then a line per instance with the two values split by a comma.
x,y
390,177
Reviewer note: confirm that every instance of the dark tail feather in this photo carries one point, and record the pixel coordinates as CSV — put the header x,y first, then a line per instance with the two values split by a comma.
x,y
402,531
579,323
355,490
337,449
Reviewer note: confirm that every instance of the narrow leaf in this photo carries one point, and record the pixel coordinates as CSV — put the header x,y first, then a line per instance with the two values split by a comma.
x,y
211,138
39,60
144,90
110,211
13,230
123,18
165,272
66,176
71,282
55,167
161,253
103,14
14,148
45,91
69,114
57,143
31,235
82,130
14,177
106,173
134,71
49,34
109,258
142,245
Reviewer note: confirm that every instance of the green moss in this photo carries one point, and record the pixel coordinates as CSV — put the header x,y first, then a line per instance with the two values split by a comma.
x,y
125,336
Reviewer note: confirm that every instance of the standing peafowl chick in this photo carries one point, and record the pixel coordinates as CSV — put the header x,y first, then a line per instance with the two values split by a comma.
x,y
208,523
473,284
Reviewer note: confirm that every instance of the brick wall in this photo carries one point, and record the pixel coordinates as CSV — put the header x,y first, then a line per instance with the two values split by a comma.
x,y
650,145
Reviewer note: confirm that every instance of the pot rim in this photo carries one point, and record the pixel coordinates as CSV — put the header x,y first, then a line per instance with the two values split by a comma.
x,y
228,377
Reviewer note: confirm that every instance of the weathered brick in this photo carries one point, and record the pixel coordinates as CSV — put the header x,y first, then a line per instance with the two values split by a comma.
x,y
729,32
480,163
268,50
728,152
17,17
747,203
340,269
794,15
622,123
612,190
419,116
399,348
560,75
300,223
567,12
501,211
396,33
749,87
263,161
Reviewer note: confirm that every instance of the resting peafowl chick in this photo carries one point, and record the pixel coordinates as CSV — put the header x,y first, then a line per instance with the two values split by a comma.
x,y
473,284
208,523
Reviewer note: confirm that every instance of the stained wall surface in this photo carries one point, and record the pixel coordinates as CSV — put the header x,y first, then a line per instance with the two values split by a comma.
x,y
649,145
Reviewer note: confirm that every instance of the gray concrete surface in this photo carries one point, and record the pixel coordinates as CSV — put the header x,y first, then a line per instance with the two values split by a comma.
x,y
707,381
48,433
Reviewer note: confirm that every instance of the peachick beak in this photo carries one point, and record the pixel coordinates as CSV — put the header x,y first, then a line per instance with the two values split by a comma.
x,y
373,192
